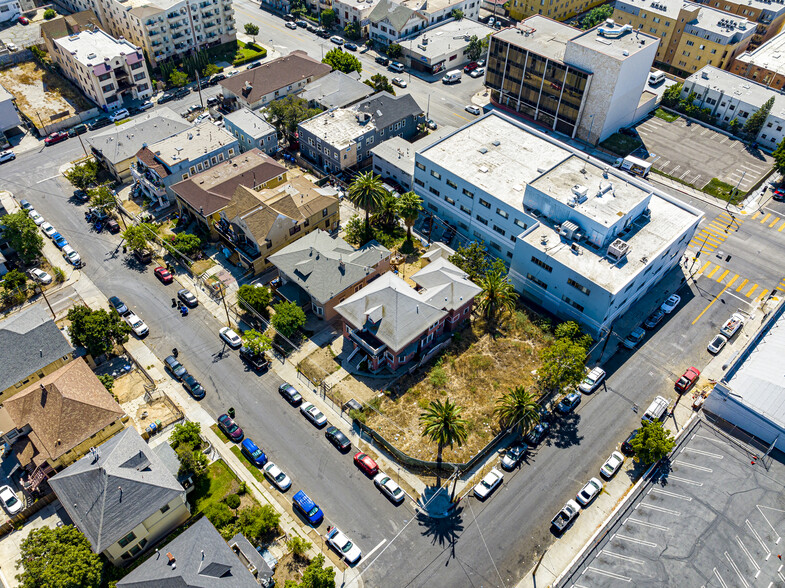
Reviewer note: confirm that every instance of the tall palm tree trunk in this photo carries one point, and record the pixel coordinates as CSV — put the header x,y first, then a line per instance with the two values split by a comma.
x,y
439,465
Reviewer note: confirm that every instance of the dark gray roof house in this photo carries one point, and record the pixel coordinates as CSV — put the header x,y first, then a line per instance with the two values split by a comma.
x,y
30,343
121,496
200,558
336,90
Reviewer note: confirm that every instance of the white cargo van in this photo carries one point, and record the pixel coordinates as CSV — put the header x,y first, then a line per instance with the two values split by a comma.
x,y
452,76
656,77
655,411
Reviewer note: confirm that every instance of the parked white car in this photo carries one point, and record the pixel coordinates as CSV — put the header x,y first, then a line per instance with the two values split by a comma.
x,y
37,218
40,276
313,414
592,380
488,484
119,115
340,542
72,256
232,339
10,502
48,229
611,465
671,303
589,492
389,488
136,324
717,344
276,476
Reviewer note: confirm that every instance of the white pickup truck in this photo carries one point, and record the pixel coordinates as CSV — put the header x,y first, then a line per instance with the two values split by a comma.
x,y
566,514
732,325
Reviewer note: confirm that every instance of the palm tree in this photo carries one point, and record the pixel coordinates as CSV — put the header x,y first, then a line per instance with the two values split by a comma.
x,y
366,191
409,207
498,294
387,212
443,425
517,408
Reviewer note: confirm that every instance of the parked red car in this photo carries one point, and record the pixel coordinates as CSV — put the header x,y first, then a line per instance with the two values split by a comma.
x,y
688,380
23,20
470,67
366,464
163,274
56,137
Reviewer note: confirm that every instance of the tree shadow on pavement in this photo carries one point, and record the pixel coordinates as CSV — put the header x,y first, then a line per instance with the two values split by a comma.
x,y
564,431
442,531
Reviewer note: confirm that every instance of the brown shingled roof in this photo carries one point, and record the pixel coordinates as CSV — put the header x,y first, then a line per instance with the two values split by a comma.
x,y
64,408
274,75
147,157
70,24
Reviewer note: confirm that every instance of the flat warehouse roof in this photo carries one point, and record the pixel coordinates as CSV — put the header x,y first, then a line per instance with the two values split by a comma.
x,y
540,35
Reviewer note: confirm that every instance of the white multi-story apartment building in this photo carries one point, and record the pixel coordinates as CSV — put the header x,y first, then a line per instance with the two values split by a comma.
x,y
582,240
9,10
105,69
164,28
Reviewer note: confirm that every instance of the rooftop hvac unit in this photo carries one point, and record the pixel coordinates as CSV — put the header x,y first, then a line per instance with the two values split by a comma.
x,y
580,194
618,249
568,229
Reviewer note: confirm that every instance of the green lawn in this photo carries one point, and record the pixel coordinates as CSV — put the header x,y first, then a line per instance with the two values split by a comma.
x,y
217,430
620,144
220,481
723,191
257,473
665,115
248,52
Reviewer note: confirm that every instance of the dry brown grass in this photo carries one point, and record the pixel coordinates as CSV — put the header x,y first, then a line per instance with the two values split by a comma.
x,y
473,372
319,364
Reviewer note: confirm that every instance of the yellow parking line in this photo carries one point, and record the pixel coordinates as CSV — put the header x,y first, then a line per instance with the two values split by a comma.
x,y
754,287
705,265
722,277
761,295
733,279
754,216
774,222
765,218
782,227
697,318
744,283
714,271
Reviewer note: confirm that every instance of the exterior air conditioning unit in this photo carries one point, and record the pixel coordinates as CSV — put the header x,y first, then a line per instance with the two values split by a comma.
x,y
618,250
580,194
568,229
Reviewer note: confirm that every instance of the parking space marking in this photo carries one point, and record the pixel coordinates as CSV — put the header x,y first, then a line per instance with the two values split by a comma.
x,y
671,494
693,466
623,557
736,569
774,222
765,218
722,277
634,540
370,553
744,283
609,574
673,171
747,553
712,272
759,507
648,524
685,480
658,508
684,174
717,575
709,439
701,452
755,534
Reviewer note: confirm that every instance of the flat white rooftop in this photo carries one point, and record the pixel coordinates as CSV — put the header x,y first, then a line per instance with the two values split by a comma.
x,y
252,123
446,37
91,47
192,143
540,35
737,88
339,128
770,55
619,47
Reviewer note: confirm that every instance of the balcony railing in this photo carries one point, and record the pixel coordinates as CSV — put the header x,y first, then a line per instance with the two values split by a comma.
x,y
228,237
368,342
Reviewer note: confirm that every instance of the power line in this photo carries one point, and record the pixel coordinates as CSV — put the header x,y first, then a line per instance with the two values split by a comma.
x,y
486,545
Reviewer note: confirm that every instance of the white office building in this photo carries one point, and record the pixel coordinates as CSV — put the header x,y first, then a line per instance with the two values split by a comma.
x,y
164,28
104,68
583,241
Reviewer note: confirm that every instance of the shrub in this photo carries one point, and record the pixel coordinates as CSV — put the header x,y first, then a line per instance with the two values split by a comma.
x,y
49,14
219,515
298,546
437,377
59,274
257,521
232,501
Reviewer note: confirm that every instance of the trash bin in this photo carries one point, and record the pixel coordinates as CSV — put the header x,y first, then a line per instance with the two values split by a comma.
x,y
230,412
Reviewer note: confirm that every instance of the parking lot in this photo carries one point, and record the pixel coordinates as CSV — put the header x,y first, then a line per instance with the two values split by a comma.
x,y
708,518
695,154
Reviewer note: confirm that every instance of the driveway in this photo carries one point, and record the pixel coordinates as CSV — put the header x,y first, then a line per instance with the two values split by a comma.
x,y
695,154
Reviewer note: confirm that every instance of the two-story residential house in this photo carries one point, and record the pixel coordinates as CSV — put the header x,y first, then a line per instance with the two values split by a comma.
x,y
31,348
359,11
252,131
255,225
122,497
319,271
391,324
178,157
203,196
54,422
272,80
393,21
343,138
106,69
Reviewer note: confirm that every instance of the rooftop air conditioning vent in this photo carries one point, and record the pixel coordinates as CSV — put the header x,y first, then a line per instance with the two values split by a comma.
x,y
581,193
496,143
544,239
483,150
618,250
568,229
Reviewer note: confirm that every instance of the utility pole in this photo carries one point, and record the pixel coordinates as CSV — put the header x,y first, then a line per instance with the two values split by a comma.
x,y
83,147
41,287
199,87
226,308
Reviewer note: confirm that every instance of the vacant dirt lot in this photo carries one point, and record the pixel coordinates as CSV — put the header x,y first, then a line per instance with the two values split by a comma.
x,y
473,372
39,92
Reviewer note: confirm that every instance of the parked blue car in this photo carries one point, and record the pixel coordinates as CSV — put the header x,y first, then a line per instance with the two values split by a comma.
x,y
309,509
253,453
59,240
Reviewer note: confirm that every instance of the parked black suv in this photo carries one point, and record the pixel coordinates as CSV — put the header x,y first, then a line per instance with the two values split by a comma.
x,y
257,362
626,447
383,60
99,123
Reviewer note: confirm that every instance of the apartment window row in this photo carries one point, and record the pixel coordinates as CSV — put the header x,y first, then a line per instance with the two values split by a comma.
x,y
540,283
578,286
542,264
572,303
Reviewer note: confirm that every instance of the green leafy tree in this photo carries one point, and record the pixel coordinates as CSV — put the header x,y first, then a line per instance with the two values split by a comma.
x,y
394,50
672,95
409,207
298,7
219,515
472,259
652,443
58,557
475,48
563,364
779,157
352,31
256,297
366,191
251,29
442,424
386,214
733,126
298,546
597,15
315,576
257,521
187,243
210,70
457,14
22,235
97,330
286,113
138,237
108,381
571,331
178,78
517,409
343,61
498,295
288,318
83,175
102,198
354,230
15,280
192,462
380,83
328,18
756,120
256,342
186,434
49,14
